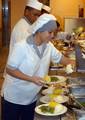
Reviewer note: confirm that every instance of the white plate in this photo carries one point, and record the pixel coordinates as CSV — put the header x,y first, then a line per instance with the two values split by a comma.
x,y
61,99
47,99
59,109
61,79
50,91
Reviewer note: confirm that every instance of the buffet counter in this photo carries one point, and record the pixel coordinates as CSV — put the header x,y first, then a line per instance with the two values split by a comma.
x,y
77,80
70,114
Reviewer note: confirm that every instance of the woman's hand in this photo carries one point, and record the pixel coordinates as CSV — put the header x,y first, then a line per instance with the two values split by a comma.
x,y
66,61
37,80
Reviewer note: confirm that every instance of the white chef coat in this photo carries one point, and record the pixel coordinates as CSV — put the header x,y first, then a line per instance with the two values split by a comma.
x,y
25,58
20,31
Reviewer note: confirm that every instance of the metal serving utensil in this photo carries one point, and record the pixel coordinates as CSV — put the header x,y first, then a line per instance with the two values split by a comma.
x,y
74,99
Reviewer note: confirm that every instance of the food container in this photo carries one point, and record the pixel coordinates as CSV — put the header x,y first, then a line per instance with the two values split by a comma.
x,y
77,86
77,90
80,113
76,80
81,100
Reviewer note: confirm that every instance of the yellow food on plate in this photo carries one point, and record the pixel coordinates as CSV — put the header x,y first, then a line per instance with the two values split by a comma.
x,y
57,91
52,96
59,98
47,78
53,104
49,108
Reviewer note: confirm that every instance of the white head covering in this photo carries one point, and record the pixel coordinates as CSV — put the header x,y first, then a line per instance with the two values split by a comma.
x,y
34,4
41,21
46,8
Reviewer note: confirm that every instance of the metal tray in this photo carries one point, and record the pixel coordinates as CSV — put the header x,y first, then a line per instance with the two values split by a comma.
x,y
76,80
77,90
81,99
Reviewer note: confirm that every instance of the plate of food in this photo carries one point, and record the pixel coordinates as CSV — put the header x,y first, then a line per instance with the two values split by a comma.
x,y
56,66
61,99
53,90
51,109
56,98
54,79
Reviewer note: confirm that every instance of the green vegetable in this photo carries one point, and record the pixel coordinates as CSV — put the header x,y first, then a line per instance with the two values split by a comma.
x,y
47,109
54,79
82,103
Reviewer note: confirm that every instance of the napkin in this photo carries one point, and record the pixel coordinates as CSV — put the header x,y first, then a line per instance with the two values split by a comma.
x,y
69,69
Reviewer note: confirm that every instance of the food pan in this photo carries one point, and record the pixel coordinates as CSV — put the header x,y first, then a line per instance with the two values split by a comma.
x,y
81,100
80,113
76,80
77,90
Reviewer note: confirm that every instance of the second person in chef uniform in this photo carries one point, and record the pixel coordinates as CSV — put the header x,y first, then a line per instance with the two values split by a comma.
x,y
22,28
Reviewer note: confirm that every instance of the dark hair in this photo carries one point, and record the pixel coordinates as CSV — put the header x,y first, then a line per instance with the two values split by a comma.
x,y
28,8
58,24
44,11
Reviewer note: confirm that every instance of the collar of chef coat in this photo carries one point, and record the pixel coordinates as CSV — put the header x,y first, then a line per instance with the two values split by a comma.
x,y
26,20
30,40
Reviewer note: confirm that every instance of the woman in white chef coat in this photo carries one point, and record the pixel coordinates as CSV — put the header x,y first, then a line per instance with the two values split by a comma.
x,y
26,67
22,28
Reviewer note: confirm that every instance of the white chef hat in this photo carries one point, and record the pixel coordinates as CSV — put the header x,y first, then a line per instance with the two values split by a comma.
x,y
34,4
43,23
46,8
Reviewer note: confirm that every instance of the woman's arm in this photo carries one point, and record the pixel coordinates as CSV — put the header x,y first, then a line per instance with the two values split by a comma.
x,y
18,74
66,61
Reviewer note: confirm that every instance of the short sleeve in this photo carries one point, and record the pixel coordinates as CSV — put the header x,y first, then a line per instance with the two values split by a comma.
x,y
16,57
56,55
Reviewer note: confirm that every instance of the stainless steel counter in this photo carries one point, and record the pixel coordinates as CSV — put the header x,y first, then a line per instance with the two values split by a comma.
x,y
67,116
